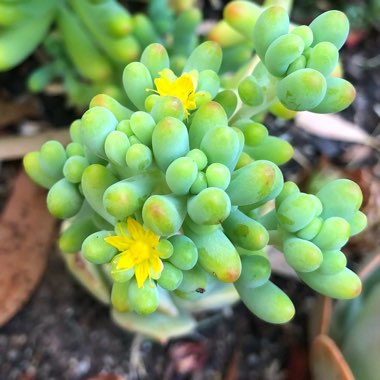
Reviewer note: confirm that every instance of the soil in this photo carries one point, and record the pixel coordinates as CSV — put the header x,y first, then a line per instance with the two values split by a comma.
x,y
63,333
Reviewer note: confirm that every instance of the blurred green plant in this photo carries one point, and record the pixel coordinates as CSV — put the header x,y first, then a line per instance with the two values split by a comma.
x,y
348,345
301,56
173,197
363,14
89,42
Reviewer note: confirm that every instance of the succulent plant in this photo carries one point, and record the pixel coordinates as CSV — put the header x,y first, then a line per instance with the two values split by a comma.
x,y
363,15
345,341
173,199
88,43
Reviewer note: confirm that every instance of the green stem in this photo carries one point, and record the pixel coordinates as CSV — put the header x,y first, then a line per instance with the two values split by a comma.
x,y
267,81
247,69
246,112
275,239
269,220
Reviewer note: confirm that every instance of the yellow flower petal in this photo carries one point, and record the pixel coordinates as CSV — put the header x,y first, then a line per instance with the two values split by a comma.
x,y
155,267
194,74
182,88
121,243
164,88
135,229
184,84
125,262
156,263
141,273
121,229
168,75
152,238
139,251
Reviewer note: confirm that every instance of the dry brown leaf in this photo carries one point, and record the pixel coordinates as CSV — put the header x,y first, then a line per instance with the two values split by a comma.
x,y
320,317
15,110
12,148
107,376
327,361
188,357
355,154
333,127
368,240
370,266
232,371
26,233
297,363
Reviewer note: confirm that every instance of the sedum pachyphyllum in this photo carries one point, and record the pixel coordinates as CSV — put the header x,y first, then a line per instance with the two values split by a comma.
x,y
183,187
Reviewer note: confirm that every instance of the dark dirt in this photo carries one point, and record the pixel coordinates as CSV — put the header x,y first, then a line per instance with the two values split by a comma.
x,y
63,333
8,171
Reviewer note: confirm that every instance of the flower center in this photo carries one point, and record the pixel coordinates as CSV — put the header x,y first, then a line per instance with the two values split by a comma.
x,y
182,88
141,251
138,251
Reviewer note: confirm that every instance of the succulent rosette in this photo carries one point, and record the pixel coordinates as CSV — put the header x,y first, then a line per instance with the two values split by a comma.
x,y
297,65
173,198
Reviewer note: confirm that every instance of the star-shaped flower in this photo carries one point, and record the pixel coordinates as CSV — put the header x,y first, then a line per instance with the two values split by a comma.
x,y
138,249
182,88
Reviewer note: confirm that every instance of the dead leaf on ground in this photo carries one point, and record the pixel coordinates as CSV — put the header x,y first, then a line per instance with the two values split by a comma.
x,y
334,127
188,357
297,368
327,361
320,316
355,154
369,239
26,234
15,147
107,376
15,110
369,267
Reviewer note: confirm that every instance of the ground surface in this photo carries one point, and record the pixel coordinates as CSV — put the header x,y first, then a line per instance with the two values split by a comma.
x,y
62,333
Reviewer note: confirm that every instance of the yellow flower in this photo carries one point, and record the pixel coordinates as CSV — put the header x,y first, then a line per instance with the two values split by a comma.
x,y
138,250
182,88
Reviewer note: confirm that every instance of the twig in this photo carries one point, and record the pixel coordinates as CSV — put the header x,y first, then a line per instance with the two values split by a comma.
x,y
12,148
137,369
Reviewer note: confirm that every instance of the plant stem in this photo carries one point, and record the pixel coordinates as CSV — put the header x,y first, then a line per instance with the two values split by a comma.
x,y
246,112
275,239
